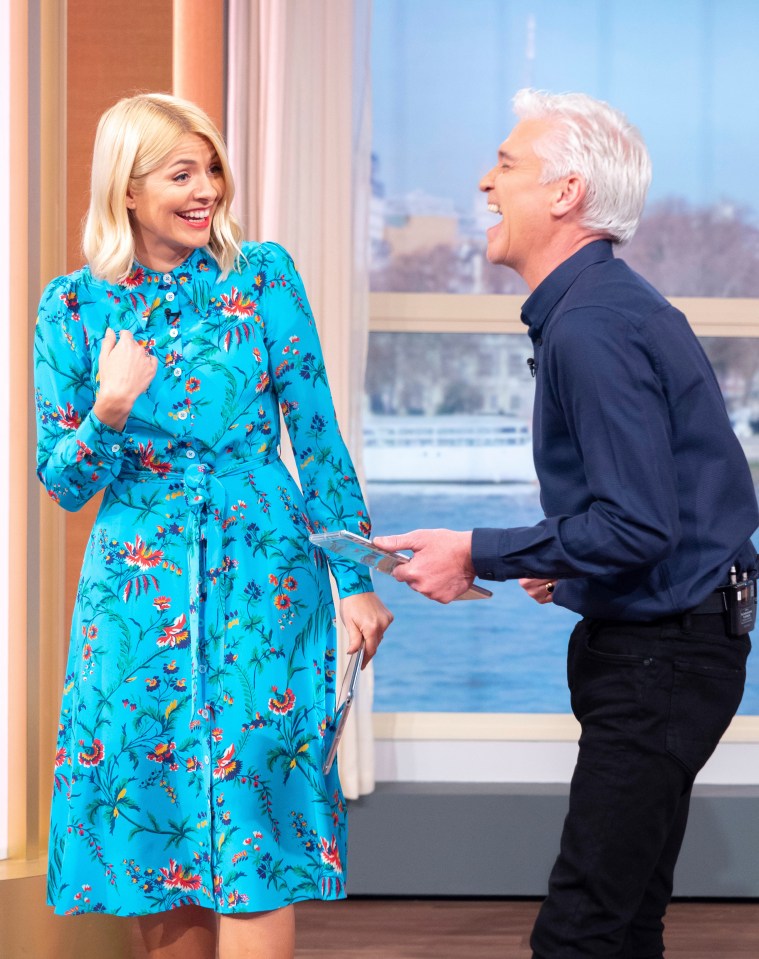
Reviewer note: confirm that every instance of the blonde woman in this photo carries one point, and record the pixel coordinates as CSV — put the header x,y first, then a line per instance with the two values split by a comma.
x,y
189,790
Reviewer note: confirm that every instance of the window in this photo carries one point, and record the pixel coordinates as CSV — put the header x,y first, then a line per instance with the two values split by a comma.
x,y
447,355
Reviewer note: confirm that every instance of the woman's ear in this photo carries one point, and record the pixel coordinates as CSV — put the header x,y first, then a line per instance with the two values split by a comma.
x,y
130,200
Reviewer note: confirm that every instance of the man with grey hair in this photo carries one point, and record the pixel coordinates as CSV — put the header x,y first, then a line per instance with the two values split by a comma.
x,y
649,509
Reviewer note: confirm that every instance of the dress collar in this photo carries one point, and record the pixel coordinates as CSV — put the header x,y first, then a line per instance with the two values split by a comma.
x,y
147,289
544,298
143,277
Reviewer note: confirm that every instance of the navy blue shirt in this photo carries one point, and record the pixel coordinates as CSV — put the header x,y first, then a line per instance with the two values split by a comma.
x,y
647,495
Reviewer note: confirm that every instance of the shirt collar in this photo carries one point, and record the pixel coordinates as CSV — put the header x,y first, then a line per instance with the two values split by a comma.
x,y
544,298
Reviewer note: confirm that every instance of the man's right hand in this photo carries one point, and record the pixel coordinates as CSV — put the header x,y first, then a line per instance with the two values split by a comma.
x,y
441,567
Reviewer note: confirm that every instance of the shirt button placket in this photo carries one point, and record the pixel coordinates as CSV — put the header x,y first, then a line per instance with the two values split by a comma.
x,y
174,334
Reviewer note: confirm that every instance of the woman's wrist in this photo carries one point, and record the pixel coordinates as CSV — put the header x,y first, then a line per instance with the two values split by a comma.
x,y
112,411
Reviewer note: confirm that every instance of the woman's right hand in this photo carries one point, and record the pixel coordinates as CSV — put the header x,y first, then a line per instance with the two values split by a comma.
x,y
126,371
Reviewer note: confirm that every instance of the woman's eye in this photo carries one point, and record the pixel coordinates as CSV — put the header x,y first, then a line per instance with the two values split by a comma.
x,y
181,177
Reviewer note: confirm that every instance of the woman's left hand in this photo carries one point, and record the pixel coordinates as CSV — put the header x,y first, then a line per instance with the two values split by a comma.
x,y
366,618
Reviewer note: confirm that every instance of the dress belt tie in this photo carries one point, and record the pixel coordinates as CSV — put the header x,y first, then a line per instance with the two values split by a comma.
x,y
206,498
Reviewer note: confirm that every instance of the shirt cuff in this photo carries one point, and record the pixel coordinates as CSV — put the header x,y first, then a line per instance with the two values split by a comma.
x,y
351,578
487,553
103,439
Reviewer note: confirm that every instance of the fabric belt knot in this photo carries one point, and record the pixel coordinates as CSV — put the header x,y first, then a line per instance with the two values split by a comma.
x,y
206,498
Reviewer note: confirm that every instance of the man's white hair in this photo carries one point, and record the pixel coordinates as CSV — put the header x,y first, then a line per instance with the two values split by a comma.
x,y
597,142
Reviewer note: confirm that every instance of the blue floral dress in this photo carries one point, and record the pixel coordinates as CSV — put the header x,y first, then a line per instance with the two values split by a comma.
x,y
201,671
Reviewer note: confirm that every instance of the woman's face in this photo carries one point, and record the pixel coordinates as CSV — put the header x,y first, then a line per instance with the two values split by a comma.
x,y
172,207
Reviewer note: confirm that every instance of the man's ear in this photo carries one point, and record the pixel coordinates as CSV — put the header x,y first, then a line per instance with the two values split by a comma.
x,y
569,195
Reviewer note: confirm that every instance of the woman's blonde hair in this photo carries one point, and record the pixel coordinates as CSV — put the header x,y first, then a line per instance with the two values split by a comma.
x,y
133,138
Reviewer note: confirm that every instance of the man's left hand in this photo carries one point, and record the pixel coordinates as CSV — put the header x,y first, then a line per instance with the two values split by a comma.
x,y
541,590
441,567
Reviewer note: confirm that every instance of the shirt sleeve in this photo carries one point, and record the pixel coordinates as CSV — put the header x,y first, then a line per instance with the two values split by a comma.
x,y
327,477
77,455
604,374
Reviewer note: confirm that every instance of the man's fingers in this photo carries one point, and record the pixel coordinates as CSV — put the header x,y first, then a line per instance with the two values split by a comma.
x,y
394,543
541,590
402,573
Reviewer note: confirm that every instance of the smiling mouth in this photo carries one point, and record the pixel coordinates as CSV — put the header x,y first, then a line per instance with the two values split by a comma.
x,y
494,208
195,217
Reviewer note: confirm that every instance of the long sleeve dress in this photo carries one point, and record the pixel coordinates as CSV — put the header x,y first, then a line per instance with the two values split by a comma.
x,y
201,672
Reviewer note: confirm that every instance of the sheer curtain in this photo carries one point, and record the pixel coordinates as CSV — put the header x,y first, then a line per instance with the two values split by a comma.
x,y
298,128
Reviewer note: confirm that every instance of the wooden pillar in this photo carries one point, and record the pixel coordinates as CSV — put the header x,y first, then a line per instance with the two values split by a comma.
x,y
199,55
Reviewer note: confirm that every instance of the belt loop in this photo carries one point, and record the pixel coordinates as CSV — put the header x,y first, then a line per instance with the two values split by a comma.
x,y
687,621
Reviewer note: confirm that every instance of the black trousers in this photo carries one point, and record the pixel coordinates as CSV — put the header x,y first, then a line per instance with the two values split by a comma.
x,y
653,701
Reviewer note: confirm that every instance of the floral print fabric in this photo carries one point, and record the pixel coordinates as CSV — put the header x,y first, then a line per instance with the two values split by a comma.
x,y
201,670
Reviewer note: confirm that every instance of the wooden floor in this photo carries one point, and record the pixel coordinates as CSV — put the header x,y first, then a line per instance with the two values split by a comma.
x,y
473,929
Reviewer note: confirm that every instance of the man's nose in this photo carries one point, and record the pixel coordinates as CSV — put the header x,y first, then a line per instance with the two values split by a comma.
x,y
486,183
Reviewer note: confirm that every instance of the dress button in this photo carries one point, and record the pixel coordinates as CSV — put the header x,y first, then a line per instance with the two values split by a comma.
x,y
168,278
190,454
173,332
170,296
182,414
177,371
115,448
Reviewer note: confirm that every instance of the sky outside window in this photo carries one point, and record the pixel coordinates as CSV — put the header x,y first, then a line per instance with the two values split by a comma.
x,y
684,71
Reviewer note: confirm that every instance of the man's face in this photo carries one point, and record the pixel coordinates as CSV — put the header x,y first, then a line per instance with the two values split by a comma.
x,y
515,194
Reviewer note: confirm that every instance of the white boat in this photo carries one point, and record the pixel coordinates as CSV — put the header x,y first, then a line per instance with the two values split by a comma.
x,y
448,449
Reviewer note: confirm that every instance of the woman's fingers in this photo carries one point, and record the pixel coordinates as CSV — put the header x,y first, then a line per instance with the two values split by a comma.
x,y
366,618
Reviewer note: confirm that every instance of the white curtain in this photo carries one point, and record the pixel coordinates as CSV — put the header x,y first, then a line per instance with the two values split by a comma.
x,y
298,129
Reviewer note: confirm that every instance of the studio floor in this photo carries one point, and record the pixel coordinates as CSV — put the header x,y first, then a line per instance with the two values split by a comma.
x,y
497,929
